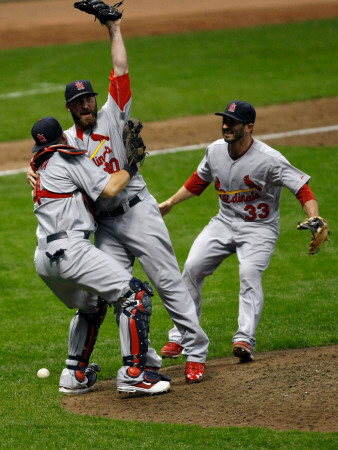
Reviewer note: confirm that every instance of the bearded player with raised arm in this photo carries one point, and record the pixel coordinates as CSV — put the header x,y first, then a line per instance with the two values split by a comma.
x,y
130,225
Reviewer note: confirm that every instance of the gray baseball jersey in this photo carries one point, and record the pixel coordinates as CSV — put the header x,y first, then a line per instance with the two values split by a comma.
x,y
140,231
104,142
70,265
249,190
85,272
64,174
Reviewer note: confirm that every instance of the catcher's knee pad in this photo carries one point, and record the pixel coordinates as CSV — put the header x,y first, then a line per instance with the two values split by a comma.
x,y
83,332
138,307
138,286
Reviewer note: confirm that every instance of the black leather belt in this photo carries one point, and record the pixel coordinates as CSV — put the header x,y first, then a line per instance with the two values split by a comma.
x,y
119,210
55,236
63,235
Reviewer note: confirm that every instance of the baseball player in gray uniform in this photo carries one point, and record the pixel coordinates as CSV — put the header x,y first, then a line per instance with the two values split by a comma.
x,y
81,275
130,224
248,177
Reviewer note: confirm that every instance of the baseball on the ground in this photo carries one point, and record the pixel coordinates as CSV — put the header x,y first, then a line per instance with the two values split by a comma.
x,y
43,373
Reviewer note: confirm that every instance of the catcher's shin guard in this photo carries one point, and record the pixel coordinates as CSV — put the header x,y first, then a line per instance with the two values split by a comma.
x,y
134,325
83,332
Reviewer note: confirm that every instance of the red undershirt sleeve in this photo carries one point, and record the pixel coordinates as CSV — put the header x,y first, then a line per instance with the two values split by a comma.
x,y
195,184
119,89
305,194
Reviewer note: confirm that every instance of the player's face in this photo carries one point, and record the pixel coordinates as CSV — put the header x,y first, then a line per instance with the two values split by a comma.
x,y
233,130
84,111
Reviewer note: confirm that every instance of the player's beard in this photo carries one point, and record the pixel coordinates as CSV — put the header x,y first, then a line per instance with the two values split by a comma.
x,y
85,123
237,135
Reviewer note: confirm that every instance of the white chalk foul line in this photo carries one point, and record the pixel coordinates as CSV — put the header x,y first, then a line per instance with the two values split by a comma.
x,y
199,146
298,132
261,137
43,88
13,172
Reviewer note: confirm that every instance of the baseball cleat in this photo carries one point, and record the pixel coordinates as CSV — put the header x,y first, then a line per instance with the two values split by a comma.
x,y
194,372
243,351
160,387
152,383
71,385
171,350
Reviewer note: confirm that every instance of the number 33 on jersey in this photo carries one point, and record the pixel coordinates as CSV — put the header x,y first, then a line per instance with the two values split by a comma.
x,y
249,188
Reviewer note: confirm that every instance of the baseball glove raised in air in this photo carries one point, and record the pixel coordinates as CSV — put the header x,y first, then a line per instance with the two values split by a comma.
x,y
135,148
100,10
319,229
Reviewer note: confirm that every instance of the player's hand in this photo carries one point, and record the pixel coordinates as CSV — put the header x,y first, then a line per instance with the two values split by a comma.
x,y
165,207
32,177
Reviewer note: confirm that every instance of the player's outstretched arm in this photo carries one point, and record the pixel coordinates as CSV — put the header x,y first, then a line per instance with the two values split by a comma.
x,y
181,195
110,16
117,47
311,208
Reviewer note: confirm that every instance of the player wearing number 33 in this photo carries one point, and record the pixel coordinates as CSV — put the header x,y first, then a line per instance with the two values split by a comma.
x,y
248,177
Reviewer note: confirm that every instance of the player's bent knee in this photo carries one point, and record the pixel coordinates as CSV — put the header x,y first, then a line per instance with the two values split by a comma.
x,y
250,272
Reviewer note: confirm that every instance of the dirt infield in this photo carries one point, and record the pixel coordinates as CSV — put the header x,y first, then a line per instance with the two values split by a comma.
x,y
283,390
31,22
203,129
27,22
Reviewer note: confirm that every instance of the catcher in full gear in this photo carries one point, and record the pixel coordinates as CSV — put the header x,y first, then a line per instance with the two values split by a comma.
x,y
81,275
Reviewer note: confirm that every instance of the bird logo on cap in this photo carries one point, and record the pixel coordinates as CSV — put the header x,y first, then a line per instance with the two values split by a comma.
x,y
79,85
41,138
232,107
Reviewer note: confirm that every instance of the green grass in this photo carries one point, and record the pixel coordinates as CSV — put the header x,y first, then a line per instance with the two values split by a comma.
x,y
300,311
172,76
177,75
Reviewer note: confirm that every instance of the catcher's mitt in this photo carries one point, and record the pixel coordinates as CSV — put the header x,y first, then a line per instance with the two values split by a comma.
x,y
135,148
100,10
320,232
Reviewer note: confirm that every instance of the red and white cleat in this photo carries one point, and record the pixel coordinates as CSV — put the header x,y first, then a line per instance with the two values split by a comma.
x,y
194,372
171,350
150,383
